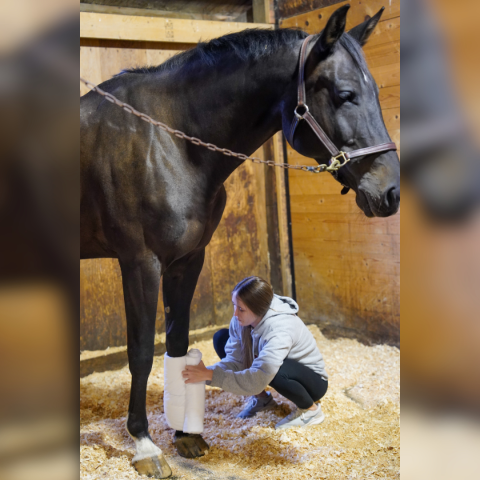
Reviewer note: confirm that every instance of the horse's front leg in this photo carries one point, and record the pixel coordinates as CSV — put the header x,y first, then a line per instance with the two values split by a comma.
x,y
141,279
179,282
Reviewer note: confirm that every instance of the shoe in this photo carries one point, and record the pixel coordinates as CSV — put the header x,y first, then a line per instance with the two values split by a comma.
x,y
302,418
257,404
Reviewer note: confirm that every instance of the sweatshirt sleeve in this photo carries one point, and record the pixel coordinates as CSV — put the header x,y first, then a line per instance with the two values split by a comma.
x,y
233,350
263,370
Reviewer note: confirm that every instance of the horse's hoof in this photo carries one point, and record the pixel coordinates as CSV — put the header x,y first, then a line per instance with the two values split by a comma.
x,y
156,467
190,445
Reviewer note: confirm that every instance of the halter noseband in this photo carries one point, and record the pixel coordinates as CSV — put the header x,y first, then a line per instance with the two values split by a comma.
x,y
338,158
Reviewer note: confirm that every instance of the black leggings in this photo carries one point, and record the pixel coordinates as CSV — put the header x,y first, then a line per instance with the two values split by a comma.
x,y
294,381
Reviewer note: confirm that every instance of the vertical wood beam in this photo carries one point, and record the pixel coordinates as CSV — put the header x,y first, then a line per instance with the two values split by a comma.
x,y
275,194
282,216
271,218
278,247
261,11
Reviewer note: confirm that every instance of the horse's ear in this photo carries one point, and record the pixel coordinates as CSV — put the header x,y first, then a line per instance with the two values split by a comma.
x,y
362,32
333,31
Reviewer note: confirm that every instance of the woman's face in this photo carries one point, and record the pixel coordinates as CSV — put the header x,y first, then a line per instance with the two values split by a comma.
x,y
244,315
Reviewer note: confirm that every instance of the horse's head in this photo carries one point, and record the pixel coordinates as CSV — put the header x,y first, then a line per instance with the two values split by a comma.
x,y
342,96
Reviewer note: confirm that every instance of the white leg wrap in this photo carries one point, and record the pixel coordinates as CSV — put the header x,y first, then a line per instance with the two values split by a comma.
x,y
194,399
174,391
184,404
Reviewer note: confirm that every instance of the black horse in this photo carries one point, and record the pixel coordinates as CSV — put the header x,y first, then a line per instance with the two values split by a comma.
x,y
154,201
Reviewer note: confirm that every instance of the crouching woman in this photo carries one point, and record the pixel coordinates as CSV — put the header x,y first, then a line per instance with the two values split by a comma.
x,y
267,344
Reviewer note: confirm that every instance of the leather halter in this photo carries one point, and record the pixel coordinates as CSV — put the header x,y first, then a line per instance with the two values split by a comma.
x,y
338,158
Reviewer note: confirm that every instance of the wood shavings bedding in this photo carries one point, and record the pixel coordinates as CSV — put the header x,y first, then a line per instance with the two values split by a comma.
x,y
359,439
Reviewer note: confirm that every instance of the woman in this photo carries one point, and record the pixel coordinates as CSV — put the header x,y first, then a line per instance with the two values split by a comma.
x,y
267,344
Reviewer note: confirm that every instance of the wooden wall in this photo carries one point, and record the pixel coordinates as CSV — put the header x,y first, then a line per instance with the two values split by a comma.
x,y
238,248
347,267
222,10
290,8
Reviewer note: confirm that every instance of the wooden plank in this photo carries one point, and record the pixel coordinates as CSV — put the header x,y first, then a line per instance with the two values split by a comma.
x,y
101,59
315,21
364,246
391,117
347,263
290,8
262,11
258,196
386,75
271,220
390,97
113,45
307,196
156,29
384,265
324,203
102,315
315,220
382,54
305,228
282,216
237,15
329,203
302,185
306,204
362,281
320,233
89,67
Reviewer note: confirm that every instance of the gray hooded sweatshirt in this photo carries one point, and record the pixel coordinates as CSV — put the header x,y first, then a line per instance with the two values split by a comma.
x,y
279,335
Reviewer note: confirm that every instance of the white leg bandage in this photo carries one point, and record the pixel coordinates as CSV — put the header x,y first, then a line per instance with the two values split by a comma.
x,y
194,399
174,391
184,404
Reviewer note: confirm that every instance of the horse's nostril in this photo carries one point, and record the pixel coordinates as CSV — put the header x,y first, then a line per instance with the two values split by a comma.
x,y
392,197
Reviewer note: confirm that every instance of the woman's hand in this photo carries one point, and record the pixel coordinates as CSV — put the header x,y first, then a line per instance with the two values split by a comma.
x,y
197,373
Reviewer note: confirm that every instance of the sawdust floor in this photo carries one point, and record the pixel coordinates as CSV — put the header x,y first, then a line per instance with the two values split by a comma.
x,y
359,439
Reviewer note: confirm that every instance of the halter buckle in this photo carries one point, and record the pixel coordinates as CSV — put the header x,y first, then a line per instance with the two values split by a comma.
x,y
336,163
298,115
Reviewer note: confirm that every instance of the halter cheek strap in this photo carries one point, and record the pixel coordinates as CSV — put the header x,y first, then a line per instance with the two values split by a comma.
x,y
338,158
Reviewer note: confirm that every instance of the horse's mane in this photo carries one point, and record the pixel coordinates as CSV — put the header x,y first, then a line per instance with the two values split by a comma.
x,y
248,45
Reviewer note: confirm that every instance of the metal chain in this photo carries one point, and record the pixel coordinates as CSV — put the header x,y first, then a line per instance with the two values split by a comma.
x,y
197,141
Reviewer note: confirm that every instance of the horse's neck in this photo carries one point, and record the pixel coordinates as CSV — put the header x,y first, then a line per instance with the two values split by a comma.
x,y
236,106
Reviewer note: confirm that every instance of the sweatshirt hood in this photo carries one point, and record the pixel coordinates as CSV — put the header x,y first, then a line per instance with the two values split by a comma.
x,y
279,306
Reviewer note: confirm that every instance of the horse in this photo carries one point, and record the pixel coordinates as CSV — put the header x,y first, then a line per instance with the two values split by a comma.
x,y
153,201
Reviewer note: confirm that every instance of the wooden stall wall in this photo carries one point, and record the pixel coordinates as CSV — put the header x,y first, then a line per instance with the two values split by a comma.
x,y
347,266
238,248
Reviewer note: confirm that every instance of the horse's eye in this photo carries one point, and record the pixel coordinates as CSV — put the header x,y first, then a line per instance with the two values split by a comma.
x,y
346,96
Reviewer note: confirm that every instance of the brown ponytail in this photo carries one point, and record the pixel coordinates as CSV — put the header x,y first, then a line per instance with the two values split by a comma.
x,y
257,295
